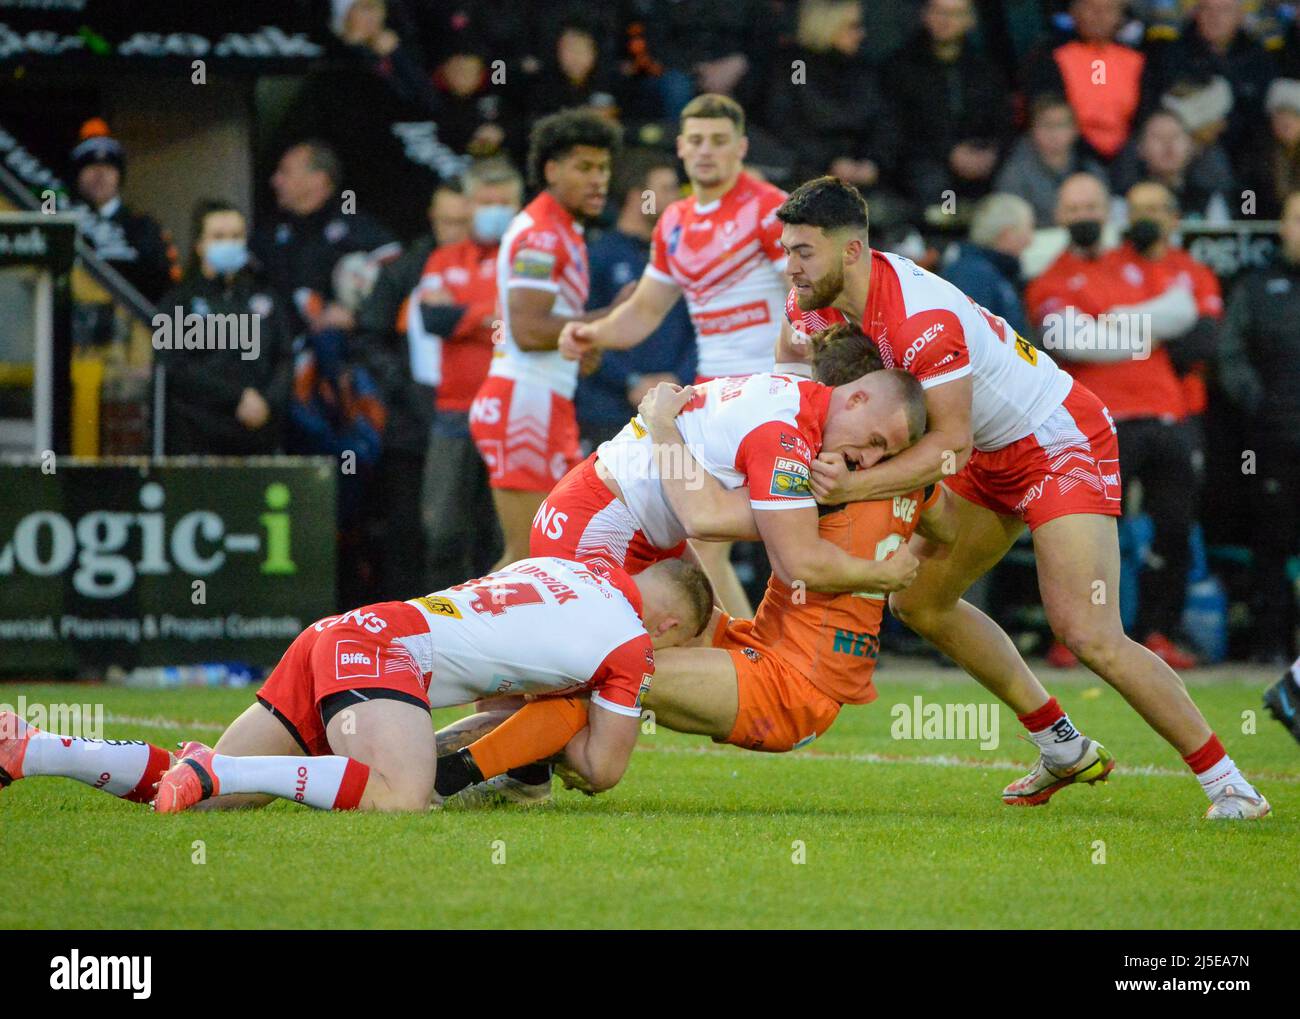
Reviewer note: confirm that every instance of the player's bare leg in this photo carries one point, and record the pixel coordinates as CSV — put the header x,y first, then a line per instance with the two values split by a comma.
x,y
515,511
1078,578
383,759
695,690
933,606
255,733
715,557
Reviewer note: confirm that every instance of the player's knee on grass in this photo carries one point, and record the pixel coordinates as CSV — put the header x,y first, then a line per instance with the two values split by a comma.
x,y
395,740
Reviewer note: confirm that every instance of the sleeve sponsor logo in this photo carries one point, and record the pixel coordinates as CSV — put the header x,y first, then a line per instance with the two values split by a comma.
x,y
919,344
356,660
1026,350
437,605
790,479
646,680
1110,483
532,264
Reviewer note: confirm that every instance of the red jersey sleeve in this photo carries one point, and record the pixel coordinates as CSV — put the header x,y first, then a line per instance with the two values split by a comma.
x,y
537,258
932,346
775,459
624,676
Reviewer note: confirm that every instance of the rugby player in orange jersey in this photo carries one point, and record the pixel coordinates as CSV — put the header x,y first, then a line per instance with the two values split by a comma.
x,y
773,683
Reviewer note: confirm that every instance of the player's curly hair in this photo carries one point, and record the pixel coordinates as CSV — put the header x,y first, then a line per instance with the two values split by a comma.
x,y
843,353
556,135
828,203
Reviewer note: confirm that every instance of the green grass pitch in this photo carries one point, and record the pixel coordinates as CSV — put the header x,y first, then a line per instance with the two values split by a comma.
x,y
891,833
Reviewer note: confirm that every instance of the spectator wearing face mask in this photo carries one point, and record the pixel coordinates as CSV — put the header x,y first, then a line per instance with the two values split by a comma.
x,y
228,402
452,314
1107,318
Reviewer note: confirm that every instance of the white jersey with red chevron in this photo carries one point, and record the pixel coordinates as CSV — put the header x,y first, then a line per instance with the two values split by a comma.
x,y
537,626
925,325
726,257
760,430
543,249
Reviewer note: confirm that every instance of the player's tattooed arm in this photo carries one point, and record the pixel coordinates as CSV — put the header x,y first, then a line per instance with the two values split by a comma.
x,y
941,452
707,510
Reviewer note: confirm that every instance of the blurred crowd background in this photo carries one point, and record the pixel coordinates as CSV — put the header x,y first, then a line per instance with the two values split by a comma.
x,y
1096,153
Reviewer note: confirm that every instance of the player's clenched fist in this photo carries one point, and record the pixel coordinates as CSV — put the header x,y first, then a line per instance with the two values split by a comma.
x,y
829,479
663,403
899,570
574,340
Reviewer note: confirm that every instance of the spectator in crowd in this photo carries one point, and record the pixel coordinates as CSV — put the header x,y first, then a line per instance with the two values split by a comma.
x,y
313,227
832,102
987,267
381,344
477,115
645,184
131,242
681,49
457,300
575,76
364,26
1099,76
451,214
1045,155
1200,179
1105,316
953,106
1259,369
1153,221
1278,173
1216,44
220,400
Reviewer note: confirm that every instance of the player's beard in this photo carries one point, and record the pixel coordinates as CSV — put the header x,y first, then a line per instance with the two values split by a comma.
x,y
824,291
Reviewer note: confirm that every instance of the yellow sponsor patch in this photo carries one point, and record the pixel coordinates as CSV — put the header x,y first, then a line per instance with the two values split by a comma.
x,y
439,606
638,429
1026,350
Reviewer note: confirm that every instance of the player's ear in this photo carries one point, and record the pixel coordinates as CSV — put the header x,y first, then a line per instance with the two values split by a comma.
x,y
853,249
743,148
665,627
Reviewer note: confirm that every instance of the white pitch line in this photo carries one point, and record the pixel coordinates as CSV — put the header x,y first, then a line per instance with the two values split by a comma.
x,y
925,760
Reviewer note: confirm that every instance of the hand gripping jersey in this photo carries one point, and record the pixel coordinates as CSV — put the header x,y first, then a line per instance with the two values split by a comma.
x,y
926,326
726,257
761,430
833,639
538,626
543,249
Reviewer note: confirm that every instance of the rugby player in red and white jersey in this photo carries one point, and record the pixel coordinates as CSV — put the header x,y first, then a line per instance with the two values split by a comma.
x,y
1020,443
628,505
522,418
342,722
720,248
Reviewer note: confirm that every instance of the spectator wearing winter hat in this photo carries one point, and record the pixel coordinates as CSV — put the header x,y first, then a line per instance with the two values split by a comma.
x,y
131,242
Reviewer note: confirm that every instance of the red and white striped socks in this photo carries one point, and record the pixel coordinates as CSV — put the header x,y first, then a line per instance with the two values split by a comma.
x,y
1054,734
125,768
1215,770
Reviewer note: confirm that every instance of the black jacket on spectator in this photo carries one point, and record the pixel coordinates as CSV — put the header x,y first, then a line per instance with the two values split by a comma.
x,y
384,350
1248,67
203,387
300,252
135,245
389,143
841,110
941,103
1259,348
